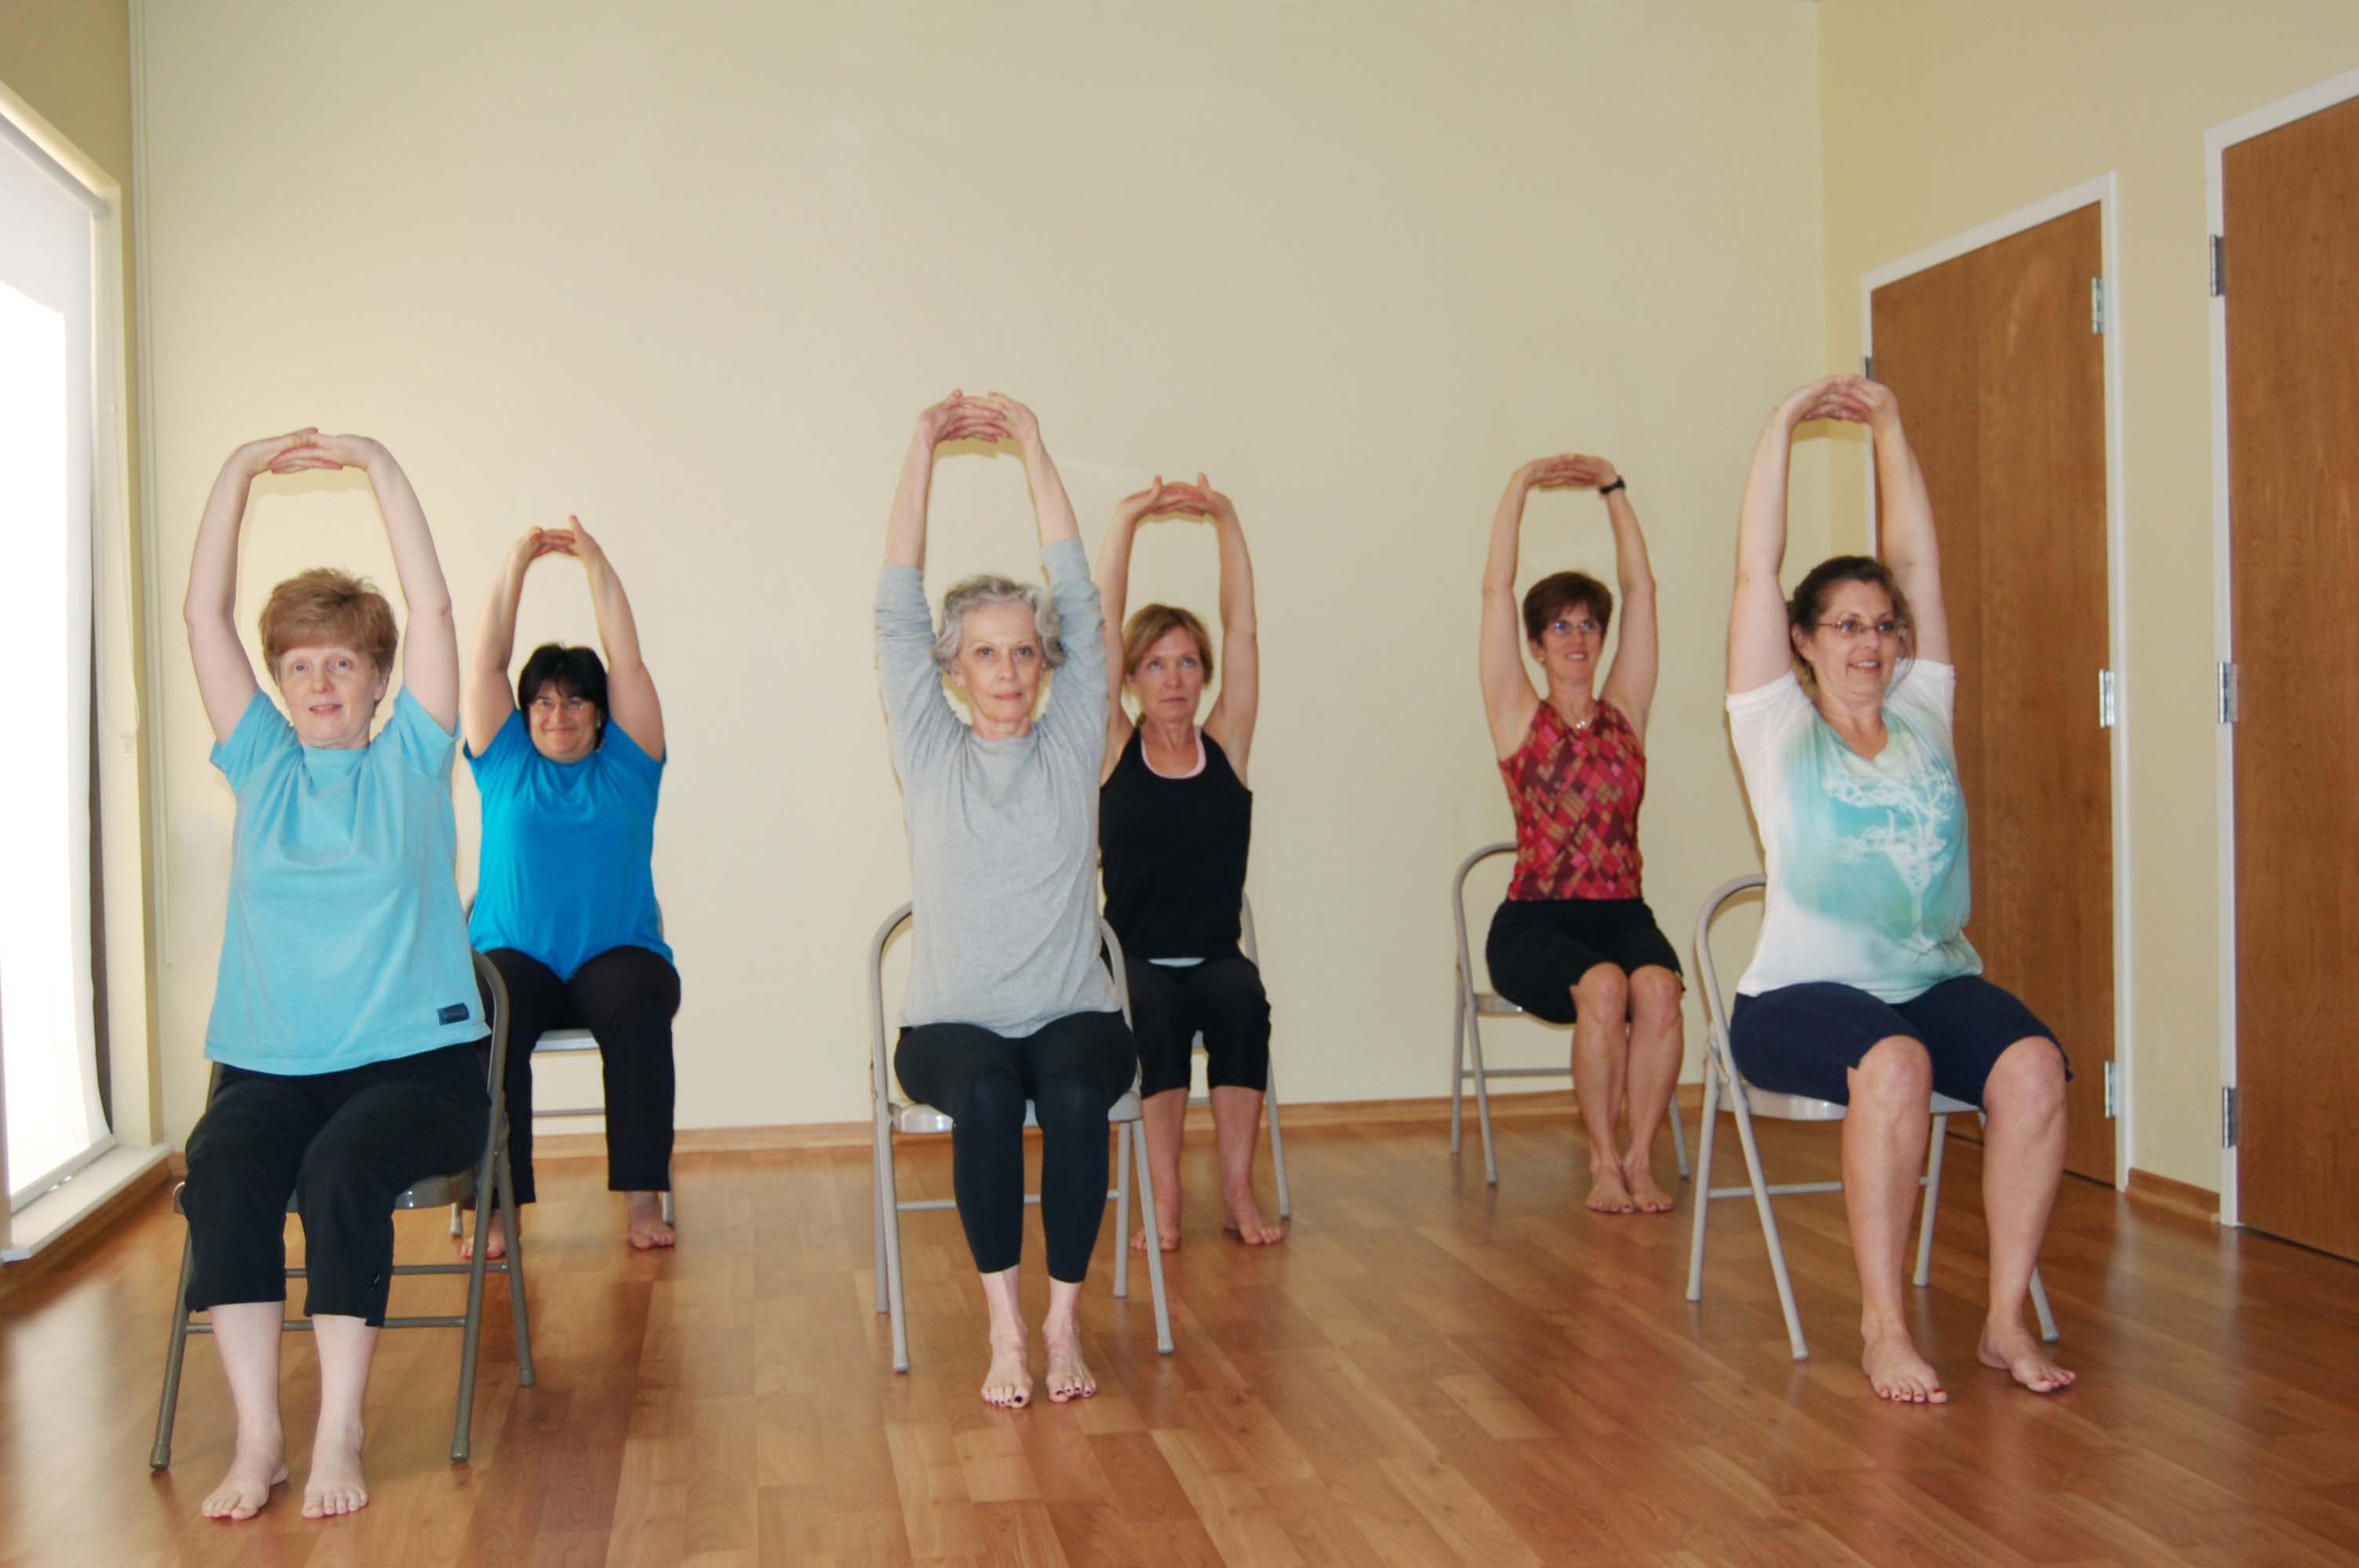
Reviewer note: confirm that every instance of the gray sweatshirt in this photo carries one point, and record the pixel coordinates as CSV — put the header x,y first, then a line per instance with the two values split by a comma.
x,y
1003,834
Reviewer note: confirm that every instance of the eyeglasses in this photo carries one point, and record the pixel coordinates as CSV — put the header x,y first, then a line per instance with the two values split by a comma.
x,y
1585,626
1851,629
572,705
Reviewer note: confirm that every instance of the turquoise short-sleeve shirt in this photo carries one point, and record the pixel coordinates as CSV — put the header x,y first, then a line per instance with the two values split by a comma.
x,y
344,944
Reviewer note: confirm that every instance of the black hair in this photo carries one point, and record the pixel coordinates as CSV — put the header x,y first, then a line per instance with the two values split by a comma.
x,y
577,672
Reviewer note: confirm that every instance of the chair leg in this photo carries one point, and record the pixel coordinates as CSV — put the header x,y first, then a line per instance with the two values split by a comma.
x,y
516,1305
1121,1203
1705,1133
1481,1097
471,1334
1679,1134
1154,1248
1932,1200
457,1230
1458,1062
160,1456
876,1208
1277,1143
2047,1330
1768,1224
889,1194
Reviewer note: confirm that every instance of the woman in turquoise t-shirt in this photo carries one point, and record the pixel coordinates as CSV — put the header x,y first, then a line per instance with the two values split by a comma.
x,y
568,769
1863,988
345,1018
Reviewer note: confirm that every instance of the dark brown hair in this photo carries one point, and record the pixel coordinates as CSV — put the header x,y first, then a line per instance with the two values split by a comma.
x,y
1809,603
1553,595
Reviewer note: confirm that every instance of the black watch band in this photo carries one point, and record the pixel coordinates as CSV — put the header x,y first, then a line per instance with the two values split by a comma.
x,y
1619,484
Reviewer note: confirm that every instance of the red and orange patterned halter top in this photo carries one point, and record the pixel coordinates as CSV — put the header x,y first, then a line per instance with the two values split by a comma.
x,y
1576,795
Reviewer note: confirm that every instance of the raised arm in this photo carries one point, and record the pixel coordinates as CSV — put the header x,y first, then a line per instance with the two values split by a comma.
x,y
1904,514
487,700
957,417
1113,593
225,678
1050,506
1233,714
429,643
631,700
1759,650
1637,652
1509,699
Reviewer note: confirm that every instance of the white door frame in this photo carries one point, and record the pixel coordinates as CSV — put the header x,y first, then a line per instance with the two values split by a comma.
x,y
2216,141
2100,191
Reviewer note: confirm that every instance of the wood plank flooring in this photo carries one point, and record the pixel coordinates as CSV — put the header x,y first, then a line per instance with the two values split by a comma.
x,y
1429,1372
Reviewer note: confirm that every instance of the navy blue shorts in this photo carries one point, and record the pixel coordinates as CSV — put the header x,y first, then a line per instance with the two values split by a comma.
x,y
1803,1040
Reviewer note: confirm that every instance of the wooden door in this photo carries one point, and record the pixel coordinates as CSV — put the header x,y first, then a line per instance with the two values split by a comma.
x,y
2290,222
2000,372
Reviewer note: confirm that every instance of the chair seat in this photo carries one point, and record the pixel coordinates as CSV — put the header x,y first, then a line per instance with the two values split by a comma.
x,y
1802,1107
565,1040
916,1121
1491,1004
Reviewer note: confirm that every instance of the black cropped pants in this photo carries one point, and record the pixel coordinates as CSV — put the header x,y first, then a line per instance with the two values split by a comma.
x,y
1072,1069
345,1144
1222,997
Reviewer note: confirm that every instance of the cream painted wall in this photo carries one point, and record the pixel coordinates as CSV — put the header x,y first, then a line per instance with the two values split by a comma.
x,y
693,278
1938,118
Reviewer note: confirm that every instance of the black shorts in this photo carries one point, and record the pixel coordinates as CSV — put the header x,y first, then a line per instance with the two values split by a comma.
x,y
1803,1040
1539,948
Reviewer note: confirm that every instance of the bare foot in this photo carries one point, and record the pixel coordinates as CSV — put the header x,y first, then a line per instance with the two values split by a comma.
x,y
1247,1223
1069,1376
335,1485
1167,1228
1639,1178
648,1229
1008,1384
496,1238
258,1464
1897,1373
1608,1191
2015,1350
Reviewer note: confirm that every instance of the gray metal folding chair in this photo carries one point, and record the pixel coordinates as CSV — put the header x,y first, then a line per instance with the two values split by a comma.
x,y
1269,1085
1748,1101
565,1042
904,1118
489,1176
1470,1006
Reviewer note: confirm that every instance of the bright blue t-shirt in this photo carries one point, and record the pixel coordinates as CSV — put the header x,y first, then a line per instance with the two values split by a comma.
x,y
344,944
567,870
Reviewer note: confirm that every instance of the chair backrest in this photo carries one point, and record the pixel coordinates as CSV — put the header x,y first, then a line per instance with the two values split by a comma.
x,y
1458,900
1760,1102
1245,931
880,1065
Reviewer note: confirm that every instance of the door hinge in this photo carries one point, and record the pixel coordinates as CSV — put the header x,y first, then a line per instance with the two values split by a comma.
x,y
2105,699
2097,306
2113,1104
2229,1130
2219,266
2227,693
1867,366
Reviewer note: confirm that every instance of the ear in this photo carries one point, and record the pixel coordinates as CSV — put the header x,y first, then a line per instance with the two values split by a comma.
x,y
1539,648
382,681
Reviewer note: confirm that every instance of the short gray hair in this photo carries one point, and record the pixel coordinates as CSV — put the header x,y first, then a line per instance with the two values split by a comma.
x,y
988,588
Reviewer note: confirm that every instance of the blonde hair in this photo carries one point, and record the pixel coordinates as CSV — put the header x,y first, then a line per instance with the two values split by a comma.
x,y
1147,628
326,607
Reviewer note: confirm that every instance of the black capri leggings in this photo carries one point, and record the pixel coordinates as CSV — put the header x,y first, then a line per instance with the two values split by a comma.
x,y
626,996
1224,998
1072,1069
345,1144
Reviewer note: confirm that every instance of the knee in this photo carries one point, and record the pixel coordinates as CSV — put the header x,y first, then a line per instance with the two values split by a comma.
x,y
1654,996
991,1101
1897,1075
1070,1104
2027,1083
1603,992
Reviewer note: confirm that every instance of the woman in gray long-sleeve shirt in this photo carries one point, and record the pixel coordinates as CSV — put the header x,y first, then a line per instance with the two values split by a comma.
x,y
1008,999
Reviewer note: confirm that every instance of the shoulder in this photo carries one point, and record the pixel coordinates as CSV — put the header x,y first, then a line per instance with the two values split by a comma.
x,y
412,736
619,751
263,734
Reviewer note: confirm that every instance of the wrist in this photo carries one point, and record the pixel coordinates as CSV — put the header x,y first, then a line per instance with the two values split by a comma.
x,y
1616,483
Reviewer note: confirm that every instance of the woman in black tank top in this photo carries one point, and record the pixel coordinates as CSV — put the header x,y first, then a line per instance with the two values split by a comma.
x,y
1174,821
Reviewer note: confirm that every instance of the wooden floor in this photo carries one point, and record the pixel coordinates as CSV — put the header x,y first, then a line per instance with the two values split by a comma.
x,y
1428,1372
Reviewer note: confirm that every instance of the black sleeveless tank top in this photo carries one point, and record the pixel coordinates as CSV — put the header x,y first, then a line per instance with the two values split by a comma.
x,y
1173,851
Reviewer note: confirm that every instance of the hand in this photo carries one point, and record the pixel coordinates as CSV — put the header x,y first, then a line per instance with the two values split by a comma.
x,y
330,452
1020,424
1818,399
257,457
1868,403
1567,470
535,544
1200,500
1156,499
959,418
575,540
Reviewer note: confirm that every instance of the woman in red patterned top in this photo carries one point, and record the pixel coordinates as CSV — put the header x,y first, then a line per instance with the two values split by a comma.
x,y
1575,942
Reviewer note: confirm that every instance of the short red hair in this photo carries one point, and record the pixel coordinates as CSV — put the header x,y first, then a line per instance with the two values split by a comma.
x,y
326,607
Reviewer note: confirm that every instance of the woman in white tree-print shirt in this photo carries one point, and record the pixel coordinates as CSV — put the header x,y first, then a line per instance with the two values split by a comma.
x,y
1864,988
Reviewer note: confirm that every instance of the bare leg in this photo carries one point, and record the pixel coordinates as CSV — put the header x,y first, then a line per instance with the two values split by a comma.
x,y
1883,1141
496,1238
248,1333
1601,1053
1068,1377
335,1486
2023,1162
647,1226
1658,1045
1165,1111
1008,1384
1236,1121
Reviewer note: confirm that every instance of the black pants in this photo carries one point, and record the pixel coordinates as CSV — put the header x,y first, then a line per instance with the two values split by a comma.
x,y
1221,997
1073,1070
345,1144
626,996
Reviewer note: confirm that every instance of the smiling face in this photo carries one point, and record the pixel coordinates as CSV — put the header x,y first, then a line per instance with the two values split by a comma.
x,y
331,693
1000,659
1169,677
1567,647
1854,644
564,723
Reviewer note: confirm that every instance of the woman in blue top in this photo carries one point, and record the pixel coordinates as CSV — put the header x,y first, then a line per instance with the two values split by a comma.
x,y
1864,988
568,769
345,1018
